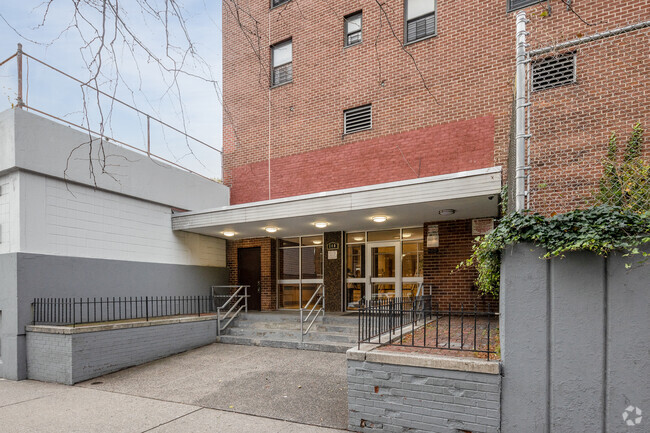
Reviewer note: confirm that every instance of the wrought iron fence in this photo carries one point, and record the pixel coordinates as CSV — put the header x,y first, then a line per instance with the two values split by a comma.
x,y
421,322
77,311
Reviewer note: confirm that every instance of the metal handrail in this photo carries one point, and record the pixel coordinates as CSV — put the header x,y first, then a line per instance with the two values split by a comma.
x,y
420,290
320,291
20,103
235,304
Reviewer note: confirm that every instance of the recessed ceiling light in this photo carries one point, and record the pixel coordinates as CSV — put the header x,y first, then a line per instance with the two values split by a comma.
x,y
379,218
271,229
447,212
358,238
228,233
321,224
318,242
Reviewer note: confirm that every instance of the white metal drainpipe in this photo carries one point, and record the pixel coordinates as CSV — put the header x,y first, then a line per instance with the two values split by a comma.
x,y
520,115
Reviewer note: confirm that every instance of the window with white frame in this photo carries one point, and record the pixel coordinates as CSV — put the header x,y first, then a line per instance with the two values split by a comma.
x,y
282,62
353,29
300,269
420,17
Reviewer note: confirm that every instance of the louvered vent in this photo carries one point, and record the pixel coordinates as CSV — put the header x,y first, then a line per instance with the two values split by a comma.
x,y
554,71
420,28
357,119
520,4
282,74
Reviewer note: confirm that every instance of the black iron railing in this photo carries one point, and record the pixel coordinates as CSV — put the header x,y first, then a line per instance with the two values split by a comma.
x,y
77,311
421,322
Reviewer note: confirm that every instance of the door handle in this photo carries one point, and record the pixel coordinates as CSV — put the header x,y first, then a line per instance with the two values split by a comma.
x,y
259,287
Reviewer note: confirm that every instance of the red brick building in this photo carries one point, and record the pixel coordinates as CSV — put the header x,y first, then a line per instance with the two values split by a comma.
x,y
339,112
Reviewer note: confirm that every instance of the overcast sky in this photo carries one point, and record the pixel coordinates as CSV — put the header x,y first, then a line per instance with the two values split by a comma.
x,y
143,84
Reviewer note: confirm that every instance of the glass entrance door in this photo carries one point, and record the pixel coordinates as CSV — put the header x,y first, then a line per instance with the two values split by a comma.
x,y
384,270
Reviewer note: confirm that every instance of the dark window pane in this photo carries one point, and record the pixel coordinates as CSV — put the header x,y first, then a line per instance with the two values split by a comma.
x,y
312,262
288,263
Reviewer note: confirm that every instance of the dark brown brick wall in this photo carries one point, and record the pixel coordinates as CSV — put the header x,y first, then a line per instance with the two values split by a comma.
x,y
448,285
268,254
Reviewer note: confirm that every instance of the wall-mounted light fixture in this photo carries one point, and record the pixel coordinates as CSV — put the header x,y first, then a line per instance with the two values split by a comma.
x,y
447,212
321,224
228,233
271,229
379,218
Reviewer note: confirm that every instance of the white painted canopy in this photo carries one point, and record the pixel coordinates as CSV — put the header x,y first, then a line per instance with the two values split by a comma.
x,y
472,194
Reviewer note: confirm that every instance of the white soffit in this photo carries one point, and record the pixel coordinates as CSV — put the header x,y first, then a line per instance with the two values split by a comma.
x,y
473,194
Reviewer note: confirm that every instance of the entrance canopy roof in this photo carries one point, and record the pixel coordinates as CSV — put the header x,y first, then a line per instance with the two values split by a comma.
x,y
471,194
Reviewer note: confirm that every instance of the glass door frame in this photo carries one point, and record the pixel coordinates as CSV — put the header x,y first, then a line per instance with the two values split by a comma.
x,y
397,279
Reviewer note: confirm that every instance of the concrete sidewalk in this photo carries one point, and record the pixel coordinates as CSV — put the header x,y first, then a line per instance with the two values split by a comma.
x,y
37,407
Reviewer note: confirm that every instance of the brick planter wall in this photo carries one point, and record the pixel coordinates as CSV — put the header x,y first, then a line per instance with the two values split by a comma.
x,y
70,355
420,393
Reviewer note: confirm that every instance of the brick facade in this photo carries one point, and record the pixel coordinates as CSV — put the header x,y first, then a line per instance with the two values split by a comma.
x,y
295,130
268,254
448,285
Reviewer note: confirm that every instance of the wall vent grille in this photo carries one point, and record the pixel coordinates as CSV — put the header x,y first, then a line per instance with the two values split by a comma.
x,y
554,71
357,119
421,28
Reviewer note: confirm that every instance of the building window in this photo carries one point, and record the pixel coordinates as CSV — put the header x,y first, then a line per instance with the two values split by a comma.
x,y
513,5
420,19
300,270
281,59
357,119
554,71
353,29
275,3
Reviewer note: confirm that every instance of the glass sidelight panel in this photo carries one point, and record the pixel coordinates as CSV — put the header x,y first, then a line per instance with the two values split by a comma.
x,y
307,292
383,290
312,262
383,262
412,257
355,291
356,261
288,263
409,290
290,295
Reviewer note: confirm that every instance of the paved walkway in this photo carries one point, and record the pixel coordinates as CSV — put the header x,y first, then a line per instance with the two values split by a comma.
x,y
217,388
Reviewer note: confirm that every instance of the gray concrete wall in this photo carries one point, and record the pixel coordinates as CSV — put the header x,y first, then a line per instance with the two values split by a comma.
x,y
72,358
34,143
575,341
55,276
398,398
10,337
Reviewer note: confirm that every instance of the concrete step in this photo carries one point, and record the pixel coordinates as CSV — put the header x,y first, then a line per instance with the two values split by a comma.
x,y
286,344
288,334
294,325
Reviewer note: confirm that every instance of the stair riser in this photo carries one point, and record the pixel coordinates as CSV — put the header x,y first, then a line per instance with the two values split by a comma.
x,y
283,344
288,335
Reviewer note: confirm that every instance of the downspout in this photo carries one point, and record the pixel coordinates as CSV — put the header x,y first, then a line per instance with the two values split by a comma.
x,y
520,115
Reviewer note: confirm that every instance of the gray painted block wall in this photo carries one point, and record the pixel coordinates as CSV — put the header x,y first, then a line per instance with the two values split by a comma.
x,y
39,275
73,358
396,398
575,341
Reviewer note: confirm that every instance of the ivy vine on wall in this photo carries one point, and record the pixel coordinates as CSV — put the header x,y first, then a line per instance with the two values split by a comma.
x,y
619,221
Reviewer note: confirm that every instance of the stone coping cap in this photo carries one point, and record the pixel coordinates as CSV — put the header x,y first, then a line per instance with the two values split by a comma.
x,y
50,329
368,353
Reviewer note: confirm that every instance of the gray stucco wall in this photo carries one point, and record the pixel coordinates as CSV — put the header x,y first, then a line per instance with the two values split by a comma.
x,y
575,341
57,276
72,358
397,398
